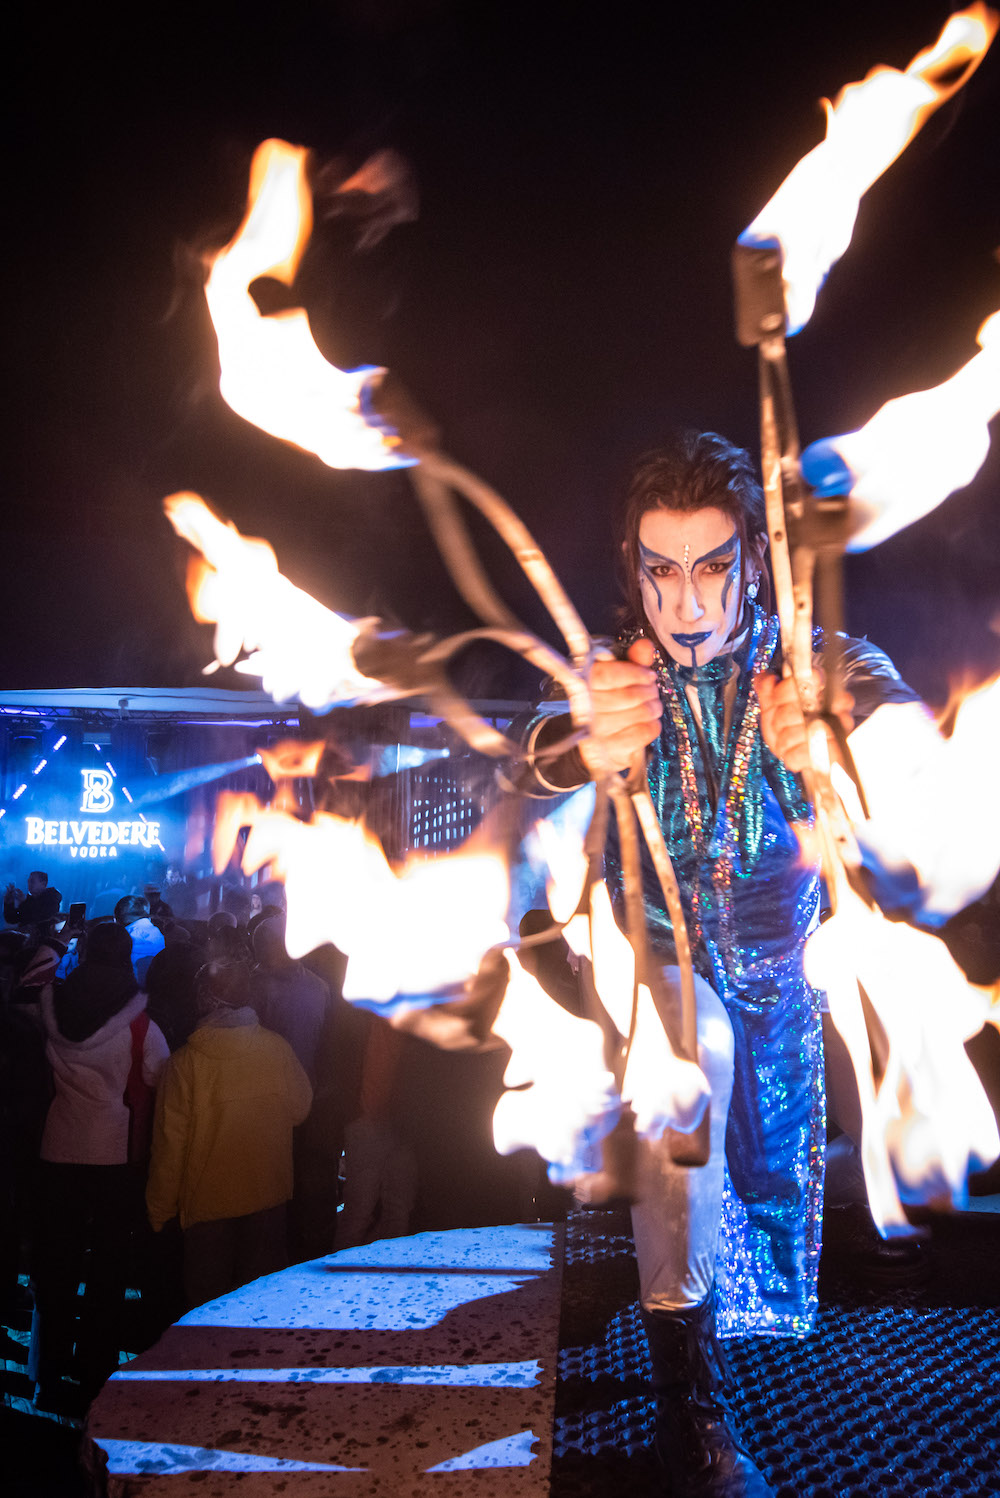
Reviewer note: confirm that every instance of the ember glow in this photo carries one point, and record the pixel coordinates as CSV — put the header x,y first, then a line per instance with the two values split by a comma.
x,y
297,647
812,214
273,374
915,451
928,1122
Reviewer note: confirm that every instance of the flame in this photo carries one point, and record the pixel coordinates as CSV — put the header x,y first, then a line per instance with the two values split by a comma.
x,y
813,212
412,932
934,802
932,843
928,1122
915,451
663,1090
424,929
273,374
567,1100
297,647
292,759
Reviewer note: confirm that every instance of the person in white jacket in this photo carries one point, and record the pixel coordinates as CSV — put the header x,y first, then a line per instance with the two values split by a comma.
x,y
105,1056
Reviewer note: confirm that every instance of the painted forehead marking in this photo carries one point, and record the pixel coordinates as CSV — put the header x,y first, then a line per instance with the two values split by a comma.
x,y
718,551
647,554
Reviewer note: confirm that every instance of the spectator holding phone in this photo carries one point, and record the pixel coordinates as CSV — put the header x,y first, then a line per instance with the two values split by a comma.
x,y
40,904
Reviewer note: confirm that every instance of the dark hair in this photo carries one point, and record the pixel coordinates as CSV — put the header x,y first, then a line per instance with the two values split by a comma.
x,y
692,471
236,901
222,981
272,892
130,908
39,874
222,920
269,941
109,945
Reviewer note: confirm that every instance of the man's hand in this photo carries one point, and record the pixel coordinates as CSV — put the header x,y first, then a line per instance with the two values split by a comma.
x,y
782,724
627,710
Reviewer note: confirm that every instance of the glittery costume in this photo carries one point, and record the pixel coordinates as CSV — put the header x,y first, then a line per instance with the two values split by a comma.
x,y
727,808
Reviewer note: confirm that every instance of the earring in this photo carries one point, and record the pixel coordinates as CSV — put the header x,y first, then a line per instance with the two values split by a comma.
x,y
752,588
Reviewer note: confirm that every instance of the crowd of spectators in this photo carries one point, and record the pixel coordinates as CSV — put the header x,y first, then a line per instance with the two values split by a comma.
x,y
184,1108
156,1106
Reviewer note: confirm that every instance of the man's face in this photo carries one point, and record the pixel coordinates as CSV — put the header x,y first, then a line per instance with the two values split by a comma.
x,y
689,577
35,885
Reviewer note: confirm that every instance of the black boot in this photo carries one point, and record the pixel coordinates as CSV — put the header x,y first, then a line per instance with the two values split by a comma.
x,y
694,1443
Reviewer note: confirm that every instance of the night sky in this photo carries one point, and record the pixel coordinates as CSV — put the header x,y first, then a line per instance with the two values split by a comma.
x,y
561,301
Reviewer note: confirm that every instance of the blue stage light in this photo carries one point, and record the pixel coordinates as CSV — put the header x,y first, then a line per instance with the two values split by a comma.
x,y
187,780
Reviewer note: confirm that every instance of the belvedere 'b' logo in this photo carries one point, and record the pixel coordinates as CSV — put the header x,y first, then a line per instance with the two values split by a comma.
x,y
97,795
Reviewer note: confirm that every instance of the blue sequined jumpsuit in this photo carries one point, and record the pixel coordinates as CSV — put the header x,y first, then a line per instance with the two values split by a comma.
x,y
728,810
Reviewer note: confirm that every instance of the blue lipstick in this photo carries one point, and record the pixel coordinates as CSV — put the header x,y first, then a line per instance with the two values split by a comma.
x,y
692,641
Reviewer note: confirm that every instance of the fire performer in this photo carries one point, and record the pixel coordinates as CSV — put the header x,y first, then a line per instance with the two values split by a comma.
x,y
731,1247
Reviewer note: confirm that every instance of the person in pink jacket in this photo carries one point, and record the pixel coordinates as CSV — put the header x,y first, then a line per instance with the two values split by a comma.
x,y
105,1056
222,1139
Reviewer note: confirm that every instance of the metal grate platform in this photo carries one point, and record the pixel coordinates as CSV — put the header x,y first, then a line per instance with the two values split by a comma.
x,y
896,1395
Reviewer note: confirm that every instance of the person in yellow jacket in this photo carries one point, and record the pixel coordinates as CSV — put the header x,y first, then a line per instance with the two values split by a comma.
x,y
222,1139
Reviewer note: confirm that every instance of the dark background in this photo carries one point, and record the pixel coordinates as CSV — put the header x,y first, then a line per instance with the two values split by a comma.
x,y
561,301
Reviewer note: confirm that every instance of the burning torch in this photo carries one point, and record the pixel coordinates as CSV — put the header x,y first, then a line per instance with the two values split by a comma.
x,y
274,375
848,493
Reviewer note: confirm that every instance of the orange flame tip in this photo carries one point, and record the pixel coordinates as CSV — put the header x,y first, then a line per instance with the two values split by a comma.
x,y
919,448
297,647
443,913
292,758
813,212
272,372
934,802
929,1121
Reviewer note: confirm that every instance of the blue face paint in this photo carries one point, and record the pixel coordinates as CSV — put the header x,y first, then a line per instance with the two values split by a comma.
x,y
719,551
645,558
704,588
691,642
731,577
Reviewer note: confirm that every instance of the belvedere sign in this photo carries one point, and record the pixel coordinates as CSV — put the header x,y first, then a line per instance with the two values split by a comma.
x,y
97,836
